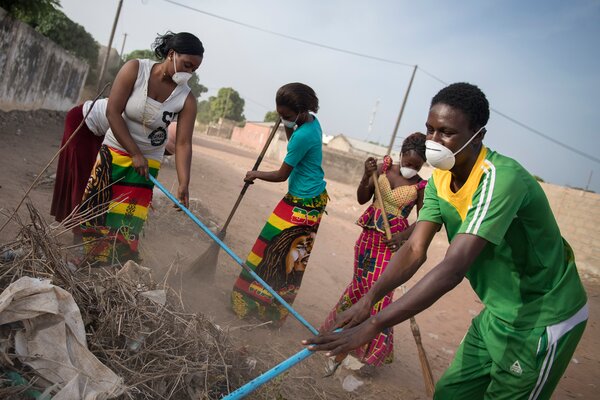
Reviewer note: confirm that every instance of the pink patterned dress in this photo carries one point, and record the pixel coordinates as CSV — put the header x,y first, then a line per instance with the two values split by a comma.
x,y
371,257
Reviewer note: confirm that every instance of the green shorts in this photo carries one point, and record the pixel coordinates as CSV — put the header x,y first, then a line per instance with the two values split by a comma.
x,y
496,361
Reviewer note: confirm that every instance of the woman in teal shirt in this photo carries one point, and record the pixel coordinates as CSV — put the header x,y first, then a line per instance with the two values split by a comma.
x,y
281,251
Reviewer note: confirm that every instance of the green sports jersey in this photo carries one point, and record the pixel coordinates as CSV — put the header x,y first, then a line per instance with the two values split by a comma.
x,y
526,275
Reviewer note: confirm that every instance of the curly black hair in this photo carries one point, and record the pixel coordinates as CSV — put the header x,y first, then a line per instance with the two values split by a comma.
x,y
416,142
182,43
469,99
298,97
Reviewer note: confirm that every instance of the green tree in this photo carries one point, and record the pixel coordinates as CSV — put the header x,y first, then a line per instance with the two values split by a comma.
x,y
29,11
71,36
143,54
196,87
203,114
44,16
227,104
271,116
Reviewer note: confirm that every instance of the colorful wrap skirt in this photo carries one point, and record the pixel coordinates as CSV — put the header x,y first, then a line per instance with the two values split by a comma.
x,y
75,164
371,257
120,198
279,256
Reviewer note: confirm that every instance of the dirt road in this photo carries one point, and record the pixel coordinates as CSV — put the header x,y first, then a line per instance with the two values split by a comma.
x,y
171,241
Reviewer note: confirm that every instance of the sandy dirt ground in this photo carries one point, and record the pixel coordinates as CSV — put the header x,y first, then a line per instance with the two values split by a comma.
x,y
171,242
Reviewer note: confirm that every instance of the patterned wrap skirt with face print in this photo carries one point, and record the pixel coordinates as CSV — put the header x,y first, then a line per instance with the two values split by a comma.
x,y
279,256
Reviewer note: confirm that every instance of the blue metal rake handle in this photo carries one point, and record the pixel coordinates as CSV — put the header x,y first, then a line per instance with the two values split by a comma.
x,y
260,380
279,369
234,256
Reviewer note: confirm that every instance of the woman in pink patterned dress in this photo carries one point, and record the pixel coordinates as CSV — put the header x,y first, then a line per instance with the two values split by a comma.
x,y
401,189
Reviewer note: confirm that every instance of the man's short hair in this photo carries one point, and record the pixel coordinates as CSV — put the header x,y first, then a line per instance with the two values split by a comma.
x,y
469,99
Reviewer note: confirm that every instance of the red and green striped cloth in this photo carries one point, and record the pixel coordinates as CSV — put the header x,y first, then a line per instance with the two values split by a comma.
x,y
279,256
125,196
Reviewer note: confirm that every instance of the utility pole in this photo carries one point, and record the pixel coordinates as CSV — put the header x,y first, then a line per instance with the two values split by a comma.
x,y
587,186
225,109
123,45
112,35
412,77
372,119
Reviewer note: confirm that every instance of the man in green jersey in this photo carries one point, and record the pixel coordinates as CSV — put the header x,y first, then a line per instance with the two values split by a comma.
x,y
505,241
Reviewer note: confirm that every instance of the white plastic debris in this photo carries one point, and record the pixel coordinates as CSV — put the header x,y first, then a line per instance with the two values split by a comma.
x,y
351,383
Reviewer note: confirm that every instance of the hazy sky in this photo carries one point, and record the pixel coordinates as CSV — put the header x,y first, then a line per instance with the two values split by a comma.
x,y
537,61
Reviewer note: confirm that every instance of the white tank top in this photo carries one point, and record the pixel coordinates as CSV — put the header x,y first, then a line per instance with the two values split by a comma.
x,y
96,120
148,119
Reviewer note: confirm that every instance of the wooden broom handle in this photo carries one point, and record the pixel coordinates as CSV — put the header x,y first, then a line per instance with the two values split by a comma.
x,y
425,367
379,200
254,168
414,327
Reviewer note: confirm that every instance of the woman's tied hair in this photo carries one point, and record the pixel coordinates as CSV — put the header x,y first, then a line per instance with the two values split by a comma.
x,y
297,97
415,142
181,43
469,99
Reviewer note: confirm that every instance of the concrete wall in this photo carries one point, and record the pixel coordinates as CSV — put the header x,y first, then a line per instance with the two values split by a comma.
x,y
578,215
34,71
223,128
253,135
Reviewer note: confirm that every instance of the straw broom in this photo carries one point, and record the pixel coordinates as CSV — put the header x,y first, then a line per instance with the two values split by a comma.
x,y
414,327
207,261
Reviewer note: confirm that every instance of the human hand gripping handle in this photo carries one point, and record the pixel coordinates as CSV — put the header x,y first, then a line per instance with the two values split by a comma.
x,y
140,164
183,195
344,341
355,315
395,242
250,177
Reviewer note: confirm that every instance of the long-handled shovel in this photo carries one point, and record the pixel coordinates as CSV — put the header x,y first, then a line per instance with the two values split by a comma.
x,y
207,261
414,327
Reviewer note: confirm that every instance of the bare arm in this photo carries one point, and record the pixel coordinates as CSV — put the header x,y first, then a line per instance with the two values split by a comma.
x,y
405,262
463,250
366,187
405,234
183,146
280,175
119,95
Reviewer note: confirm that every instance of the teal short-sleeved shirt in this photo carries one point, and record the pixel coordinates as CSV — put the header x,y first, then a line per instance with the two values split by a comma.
x,y
526,274
305,155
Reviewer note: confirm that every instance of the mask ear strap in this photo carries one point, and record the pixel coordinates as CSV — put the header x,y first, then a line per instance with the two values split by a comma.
x,y
482,129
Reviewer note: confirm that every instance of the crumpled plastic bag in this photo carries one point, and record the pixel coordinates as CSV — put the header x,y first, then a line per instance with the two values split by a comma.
x,y
53,341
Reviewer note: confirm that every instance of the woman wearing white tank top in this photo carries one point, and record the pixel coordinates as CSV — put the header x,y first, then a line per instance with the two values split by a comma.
x,y
145,98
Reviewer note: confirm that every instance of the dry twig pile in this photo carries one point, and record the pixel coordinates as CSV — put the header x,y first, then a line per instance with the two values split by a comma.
x,y
160,351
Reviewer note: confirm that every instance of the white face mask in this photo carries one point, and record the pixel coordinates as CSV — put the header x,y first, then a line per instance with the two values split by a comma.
x,y
407,172
180,78
290,124
440,157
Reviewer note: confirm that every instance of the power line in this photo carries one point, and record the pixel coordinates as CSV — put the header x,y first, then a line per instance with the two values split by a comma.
x,y
283,35
354,53
566,146
527,127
